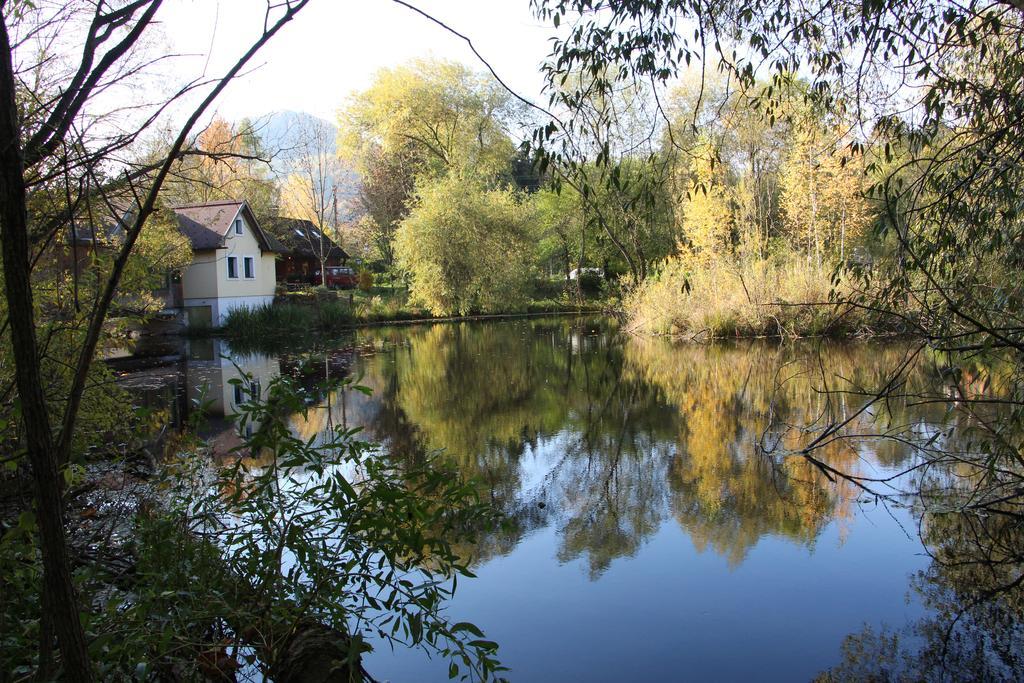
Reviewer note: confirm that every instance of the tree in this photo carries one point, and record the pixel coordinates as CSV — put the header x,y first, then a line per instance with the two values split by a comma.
x,y
233,164
707,220
466,248
385,189
47,146
423,119
609,157
822,191
562,233
160,251
715,133
441,114
311,189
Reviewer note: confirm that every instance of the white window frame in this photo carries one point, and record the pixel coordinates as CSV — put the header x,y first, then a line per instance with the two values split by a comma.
x,y
238,226
232,260
249,267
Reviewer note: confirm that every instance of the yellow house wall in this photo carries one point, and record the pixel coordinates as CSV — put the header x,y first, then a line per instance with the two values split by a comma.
x,y
199,280
244,245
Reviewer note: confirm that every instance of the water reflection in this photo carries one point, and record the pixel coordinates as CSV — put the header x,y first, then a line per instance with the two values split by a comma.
x,y
611,444
974,627
565,424
726,493
203,387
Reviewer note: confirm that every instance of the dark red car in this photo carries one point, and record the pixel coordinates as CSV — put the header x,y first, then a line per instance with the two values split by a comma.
x,y
338,277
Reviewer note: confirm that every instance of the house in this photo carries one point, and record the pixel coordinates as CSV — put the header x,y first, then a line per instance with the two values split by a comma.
x,y
223,381
233,262
304,245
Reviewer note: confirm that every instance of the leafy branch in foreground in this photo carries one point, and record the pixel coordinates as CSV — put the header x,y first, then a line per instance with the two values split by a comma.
x,y
50,146
329,527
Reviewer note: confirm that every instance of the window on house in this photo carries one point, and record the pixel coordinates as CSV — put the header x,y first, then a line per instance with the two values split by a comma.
x,y
249,267
238,226
233,267
244,393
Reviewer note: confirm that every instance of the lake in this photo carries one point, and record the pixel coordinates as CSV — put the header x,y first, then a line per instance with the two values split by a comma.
x,y
653,532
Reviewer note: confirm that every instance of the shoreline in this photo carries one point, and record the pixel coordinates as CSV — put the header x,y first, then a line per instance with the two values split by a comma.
x,y
469,318
129,362
278,335
698,339
222,333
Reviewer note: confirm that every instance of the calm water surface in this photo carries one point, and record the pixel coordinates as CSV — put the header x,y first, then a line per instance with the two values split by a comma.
x,y
649,539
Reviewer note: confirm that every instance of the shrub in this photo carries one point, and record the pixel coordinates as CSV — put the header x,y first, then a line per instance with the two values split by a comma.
x,y
257,320
252,323
591,284
717,297
232,559
365,280
397,561
547,288
467,248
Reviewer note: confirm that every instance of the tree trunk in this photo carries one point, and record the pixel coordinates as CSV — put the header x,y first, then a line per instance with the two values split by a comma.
x,y
814,214
842,236
57,586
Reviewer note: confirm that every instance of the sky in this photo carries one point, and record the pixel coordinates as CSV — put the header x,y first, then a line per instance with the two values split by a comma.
x,y
335,47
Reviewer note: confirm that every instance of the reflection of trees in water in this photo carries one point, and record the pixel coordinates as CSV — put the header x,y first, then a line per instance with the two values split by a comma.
x,y
563,424
633,430
732,398
971,523
724,493
727,495
611,505
975,626
607,491
605,438
491,394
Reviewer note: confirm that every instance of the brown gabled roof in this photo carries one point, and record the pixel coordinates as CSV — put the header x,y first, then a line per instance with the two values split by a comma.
x,y
298,236
206,225
101,222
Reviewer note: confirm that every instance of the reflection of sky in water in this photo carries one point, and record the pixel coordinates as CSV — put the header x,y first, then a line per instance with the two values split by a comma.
x,y
538,461
673,613
648,540
641,565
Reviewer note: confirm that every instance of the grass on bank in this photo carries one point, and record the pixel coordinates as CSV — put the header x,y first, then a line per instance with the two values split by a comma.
x,y
383,303
287,317
324,311
378,303
714,297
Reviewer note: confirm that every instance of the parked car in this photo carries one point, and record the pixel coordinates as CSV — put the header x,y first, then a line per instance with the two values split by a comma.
x,y
338,277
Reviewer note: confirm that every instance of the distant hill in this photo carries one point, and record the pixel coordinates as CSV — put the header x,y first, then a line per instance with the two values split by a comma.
x,y
281,133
